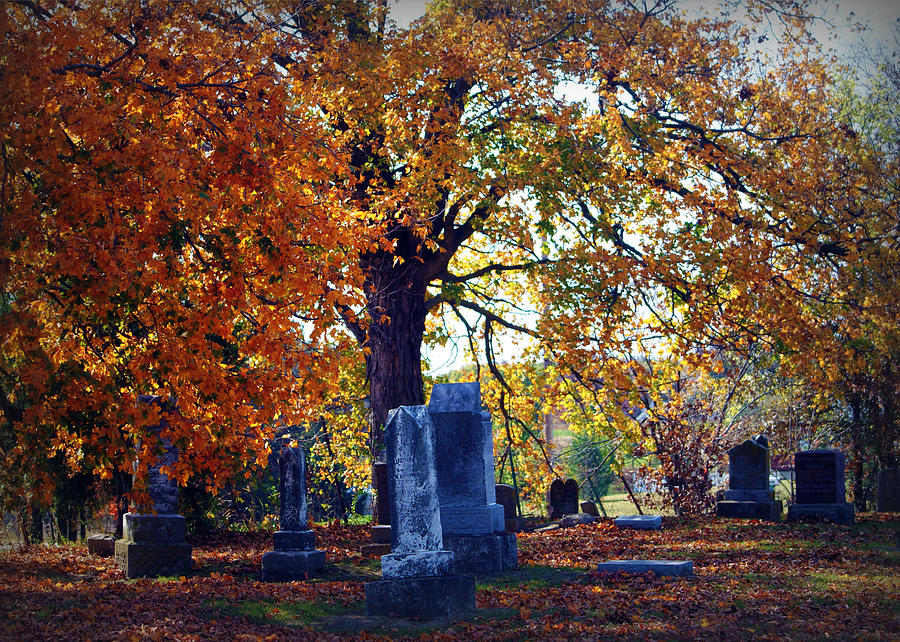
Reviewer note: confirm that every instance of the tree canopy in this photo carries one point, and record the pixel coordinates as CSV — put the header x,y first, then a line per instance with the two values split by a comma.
x,y
235,207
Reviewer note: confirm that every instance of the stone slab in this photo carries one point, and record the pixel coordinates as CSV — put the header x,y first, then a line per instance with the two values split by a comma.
x,y
769,511
417,564
148,559
421,597
748,465
659,567
590,508
489,553
294,540
506,497
381,534
839,513
375,549
102,545
291,566
472,520
640,522
138,527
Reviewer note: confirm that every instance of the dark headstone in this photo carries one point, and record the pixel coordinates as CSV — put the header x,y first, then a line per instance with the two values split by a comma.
x,y
506,497
102,545
380,534
472,521
154,545
819,479
295,556
570,497
419,576
590,508
555,499
748,495
888,499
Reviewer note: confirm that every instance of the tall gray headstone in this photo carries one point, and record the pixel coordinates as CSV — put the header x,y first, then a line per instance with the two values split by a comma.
x,y
295,556
153,544
748,495
473,523
419,577
820,492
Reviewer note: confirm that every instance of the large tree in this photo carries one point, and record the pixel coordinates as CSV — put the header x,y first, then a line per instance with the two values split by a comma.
x,y
194,197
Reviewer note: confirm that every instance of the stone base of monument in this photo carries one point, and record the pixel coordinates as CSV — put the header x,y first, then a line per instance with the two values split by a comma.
x,y
294,557
839,513
769,511
290,566
148,559
424,597
102,545
381,534
487,553
640,522
659,567
375,550
153,545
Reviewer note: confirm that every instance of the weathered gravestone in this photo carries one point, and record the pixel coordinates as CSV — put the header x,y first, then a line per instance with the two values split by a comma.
x,y
639,522
102,545
663,568
380,534
562,498
419,577
506,497
888,498
154,544
295,556
589,507
473,523
819,481
748,495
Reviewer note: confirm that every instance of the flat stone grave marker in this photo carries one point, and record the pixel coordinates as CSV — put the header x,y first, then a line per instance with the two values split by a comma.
x,y
640,522
670,568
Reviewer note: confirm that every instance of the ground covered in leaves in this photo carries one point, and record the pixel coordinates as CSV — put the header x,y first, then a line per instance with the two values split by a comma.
x,y
752,580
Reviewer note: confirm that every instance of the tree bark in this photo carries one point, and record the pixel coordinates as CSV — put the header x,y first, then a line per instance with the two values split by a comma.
x,y
397,311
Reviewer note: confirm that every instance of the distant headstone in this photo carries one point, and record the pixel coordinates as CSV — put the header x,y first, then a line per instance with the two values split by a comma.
x,y
563,498
748,495
671,568
640,522
506,497
154,544
590,508
419,577
380,534
819,481
295,556
473,523
888,498
101,545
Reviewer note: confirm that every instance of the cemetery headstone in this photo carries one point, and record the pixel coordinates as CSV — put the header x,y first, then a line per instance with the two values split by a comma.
x,y
154,544
295,556
590,508
473,523
888,498
506,497
380,535
418,577
748,495
820,492
562,498
102,545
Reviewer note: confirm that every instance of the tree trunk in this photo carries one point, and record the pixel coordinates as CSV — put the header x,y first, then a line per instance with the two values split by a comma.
x,y
397,311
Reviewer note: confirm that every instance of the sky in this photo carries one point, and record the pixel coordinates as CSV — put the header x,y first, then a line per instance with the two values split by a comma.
x,y
880,17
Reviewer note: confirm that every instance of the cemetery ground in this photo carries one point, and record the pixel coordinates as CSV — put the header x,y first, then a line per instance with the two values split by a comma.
x,y
752,580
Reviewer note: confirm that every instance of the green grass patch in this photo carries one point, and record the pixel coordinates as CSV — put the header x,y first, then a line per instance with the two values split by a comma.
x,y
273,612
530,577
